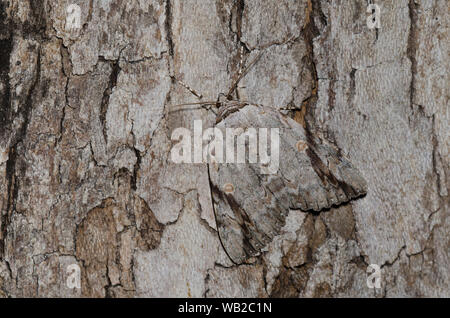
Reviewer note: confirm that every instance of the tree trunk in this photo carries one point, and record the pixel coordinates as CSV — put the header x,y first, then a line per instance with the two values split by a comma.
x,y
87,113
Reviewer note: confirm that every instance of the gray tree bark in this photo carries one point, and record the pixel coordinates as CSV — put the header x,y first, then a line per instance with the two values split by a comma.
x,y
85,124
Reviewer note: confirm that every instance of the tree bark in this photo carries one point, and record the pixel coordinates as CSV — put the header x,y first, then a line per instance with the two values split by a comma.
x,y
86,118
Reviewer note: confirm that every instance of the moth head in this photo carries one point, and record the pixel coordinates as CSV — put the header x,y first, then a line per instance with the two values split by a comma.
x,y
222,99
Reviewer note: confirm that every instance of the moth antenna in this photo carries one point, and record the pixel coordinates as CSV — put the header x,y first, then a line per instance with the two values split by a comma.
x,y
243,73
196,103
262,105
207,105
204,104
241,67
241,60
193,91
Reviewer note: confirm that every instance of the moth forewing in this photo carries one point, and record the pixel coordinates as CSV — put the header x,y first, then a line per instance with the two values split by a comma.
x,y
312,175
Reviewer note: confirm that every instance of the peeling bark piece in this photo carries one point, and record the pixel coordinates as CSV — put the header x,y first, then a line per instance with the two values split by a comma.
x,y
251,206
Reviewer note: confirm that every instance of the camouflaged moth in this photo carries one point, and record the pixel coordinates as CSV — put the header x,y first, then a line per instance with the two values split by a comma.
x,y
250,206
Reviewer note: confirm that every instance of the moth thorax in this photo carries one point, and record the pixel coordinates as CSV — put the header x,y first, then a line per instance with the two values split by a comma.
x,y
228,107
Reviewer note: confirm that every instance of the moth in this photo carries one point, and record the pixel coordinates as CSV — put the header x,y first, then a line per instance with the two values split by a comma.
x,y
250,207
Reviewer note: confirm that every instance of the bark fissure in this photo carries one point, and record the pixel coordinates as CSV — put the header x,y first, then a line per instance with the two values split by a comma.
x,y
168,26
115,70
412,46
11,163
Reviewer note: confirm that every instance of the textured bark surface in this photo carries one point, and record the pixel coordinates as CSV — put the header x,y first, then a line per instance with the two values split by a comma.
x,y
86,120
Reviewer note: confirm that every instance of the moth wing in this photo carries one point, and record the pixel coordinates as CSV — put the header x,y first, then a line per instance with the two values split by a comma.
x,y
247,215
312,175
